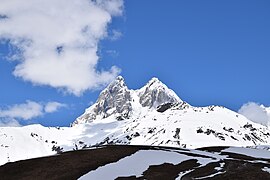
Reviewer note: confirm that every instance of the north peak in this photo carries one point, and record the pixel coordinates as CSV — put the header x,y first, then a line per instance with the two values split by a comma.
x,y
119,82
119,78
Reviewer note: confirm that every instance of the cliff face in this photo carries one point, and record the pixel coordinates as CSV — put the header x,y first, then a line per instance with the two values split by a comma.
x,y
116,99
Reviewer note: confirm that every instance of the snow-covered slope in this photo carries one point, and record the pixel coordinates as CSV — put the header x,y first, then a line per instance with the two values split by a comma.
x,y
155,115
179,126
32,141
152,115
207,164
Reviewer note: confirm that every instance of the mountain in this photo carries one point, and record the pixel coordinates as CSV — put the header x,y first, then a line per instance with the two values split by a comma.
x,y
120,102
155,115
152,115
121,162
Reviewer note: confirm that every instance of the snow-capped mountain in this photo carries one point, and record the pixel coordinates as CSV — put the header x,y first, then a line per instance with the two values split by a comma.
x,y
152,115
122,103
155,115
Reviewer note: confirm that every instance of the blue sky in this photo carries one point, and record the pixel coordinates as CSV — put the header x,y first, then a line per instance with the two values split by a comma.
x,y
208,52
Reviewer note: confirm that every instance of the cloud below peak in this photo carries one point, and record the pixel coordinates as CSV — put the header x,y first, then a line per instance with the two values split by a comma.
x,y
58,41
27,111
256,113
51,107
24,111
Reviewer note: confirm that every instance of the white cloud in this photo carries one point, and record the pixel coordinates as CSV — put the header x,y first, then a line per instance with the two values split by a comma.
x,y
26,111
256,113
58,41
114,7
51,107
9,123
115,35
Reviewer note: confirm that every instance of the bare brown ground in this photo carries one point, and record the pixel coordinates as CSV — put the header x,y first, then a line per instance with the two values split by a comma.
x,y
72,165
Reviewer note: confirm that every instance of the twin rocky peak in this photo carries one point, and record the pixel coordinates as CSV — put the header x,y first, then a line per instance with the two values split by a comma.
x,y
116,99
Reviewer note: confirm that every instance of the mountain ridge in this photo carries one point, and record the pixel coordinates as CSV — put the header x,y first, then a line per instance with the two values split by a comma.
x,y
117,99
160,118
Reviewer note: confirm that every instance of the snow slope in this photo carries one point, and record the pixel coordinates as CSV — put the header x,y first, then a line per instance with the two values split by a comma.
x,y
190,127
143,159
157,116
32,141
152,115
207,164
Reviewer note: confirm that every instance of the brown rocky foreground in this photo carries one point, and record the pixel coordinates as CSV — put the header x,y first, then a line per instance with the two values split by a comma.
x,y
74,164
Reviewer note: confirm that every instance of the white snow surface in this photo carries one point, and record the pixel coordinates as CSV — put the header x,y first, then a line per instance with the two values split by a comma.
x,y
138,162
135,164
182,125
266,169
17,143
257,153
174,127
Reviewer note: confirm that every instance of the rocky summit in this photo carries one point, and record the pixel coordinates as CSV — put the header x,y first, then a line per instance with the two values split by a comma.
x,y
121,102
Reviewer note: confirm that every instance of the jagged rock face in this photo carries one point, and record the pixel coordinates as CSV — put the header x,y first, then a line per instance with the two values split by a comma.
x,y
118,100
115,99
155,93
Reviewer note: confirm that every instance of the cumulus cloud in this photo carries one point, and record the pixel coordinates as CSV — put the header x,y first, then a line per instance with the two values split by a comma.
x,y
9,123
256,113
57,41
51,107
26,111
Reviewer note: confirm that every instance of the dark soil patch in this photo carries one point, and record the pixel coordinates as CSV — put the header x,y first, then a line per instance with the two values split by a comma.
x,y
163,171
72,165
127,178
69,165
213,148
169,171
202,171
243,170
